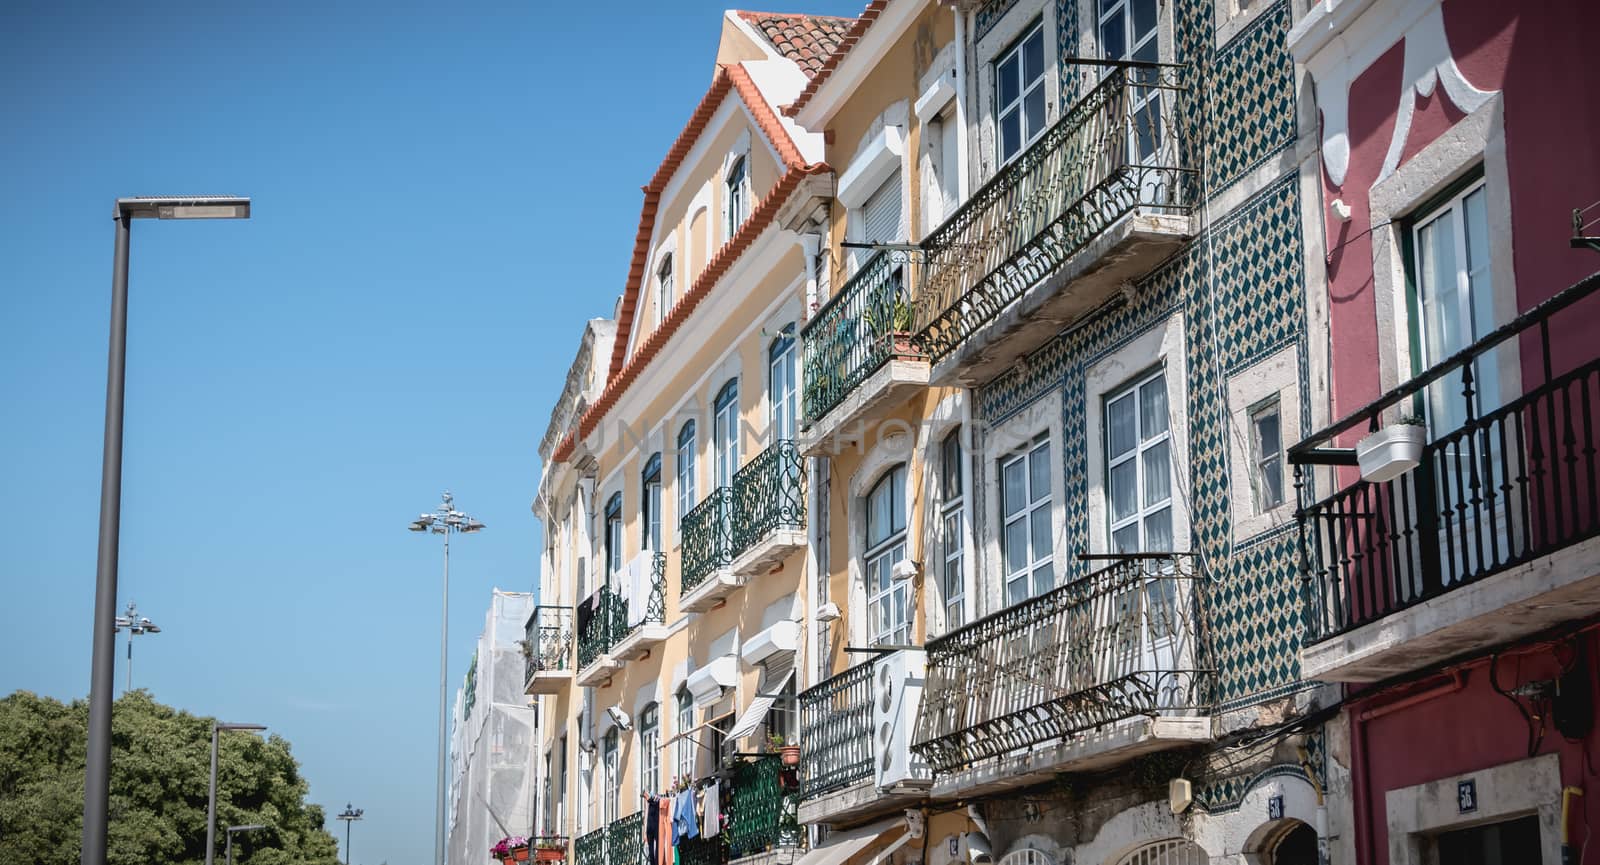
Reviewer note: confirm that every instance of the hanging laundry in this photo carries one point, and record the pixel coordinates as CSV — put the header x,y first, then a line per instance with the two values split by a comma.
x,y
683,822
652,828
713,812
663,815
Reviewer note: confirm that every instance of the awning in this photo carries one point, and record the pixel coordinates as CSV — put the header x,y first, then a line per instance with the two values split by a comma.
x,y
774,678
841,847
706,683
782,637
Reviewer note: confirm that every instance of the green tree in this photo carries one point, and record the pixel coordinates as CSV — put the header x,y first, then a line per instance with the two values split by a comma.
x,y
160,762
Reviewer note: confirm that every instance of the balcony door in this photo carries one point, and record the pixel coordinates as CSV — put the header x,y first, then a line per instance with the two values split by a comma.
x,y
1129,31
888,599
725,433
612,804
781,384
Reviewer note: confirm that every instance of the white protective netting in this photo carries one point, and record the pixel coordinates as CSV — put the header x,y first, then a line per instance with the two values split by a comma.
x,y
492,743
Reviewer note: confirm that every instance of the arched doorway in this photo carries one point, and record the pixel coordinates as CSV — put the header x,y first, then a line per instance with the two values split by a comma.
x,y
1173,851
1296,845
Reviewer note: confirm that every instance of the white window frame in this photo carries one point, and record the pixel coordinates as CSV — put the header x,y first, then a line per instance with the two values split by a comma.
x,y
1133,390
611,768
685,467
613,522
664,288
1025,88
650,749
783,383
736,192
952,530
1038,450
650,488
1467,312
884,555
1260,461
686,740
725,434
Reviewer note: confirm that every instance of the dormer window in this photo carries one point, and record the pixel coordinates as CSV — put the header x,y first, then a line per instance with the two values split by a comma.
x,y
738,196
664,288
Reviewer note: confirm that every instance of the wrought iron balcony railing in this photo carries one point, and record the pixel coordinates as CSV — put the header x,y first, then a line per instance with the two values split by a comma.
x,y
654,609
769,493
548,640
707,538
755,807
836,731
1503,479
602,621
1124,641
590,848
625,840
702,851
1118,149
857,331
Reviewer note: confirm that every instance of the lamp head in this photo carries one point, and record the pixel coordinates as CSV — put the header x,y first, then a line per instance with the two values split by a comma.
x,y
184,207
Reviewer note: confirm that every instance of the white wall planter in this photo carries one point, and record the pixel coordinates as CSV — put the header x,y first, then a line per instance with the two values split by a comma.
x,y
1391,452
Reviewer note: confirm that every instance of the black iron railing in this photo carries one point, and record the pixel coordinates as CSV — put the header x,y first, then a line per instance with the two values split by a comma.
x,y
858,331
707,538
625,841
654,608
602,621
1118,149
1127,640
836,731
754,807
1502,479
702,851
548,640
769,494
590,848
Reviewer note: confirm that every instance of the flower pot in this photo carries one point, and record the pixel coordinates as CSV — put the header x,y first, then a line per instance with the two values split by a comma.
x,y
791,755
549,854
520,854
1390,452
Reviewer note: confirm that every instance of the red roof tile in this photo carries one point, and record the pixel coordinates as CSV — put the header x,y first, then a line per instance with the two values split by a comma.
x,y
805,39
846,42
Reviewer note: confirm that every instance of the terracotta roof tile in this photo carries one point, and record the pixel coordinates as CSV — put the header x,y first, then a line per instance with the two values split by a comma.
x,y
805,39
851,36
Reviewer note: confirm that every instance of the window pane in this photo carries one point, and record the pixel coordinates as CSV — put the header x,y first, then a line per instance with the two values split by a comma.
x,y
1111,36
1153,407
1008,80
1436,257
1017,590
1272,484
1157,479
1033,57
1010,133
1033,107
1125,540
1158,532
1124,490
1119,424
1013,491
1267,434
1039,472
1147,127
897,500
1016,541
1040,520
1043,580
1144,17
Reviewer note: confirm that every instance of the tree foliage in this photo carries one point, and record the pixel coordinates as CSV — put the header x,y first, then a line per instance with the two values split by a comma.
x,y
160,767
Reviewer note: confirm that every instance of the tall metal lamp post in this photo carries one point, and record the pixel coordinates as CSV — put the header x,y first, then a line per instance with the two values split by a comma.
x,y
251,827
97,765
211,801
443,521
137,625
349,816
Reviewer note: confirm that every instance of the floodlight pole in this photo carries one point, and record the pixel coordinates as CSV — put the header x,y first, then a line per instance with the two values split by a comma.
x,y
97,756
211,800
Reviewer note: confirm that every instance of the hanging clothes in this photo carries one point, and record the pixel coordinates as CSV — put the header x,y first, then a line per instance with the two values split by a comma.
x,y
713,812
663,816
683,821
652,828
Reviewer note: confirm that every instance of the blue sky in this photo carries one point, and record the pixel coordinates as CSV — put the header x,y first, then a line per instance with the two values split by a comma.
x,y
441,198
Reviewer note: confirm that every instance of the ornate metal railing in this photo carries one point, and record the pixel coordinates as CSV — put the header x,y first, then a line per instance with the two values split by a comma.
x,y
1502,480
754,807
1119,149
707,538
857,331
1127,640
590,848
625,841
769,493
701,851
548,640
655,602
602,621
836,731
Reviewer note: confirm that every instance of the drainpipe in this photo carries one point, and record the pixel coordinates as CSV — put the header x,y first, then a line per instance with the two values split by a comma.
x,y
810,244
961,103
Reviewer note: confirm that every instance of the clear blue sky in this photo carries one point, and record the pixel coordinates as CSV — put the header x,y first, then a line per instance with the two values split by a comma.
x,y
441,199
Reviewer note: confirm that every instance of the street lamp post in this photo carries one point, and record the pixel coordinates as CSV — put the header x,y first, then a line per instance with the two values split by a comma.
x,y
443,521
97,764
211,801
137,625
232,829
349,816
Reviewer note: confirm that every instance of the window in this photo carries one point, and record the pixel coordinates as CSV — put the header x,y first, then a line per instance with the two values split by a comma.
x,y
888,599
781,383
1266,455
1019,93
614,534
1492,844
781,718
651,504
1456,301
650,749
1128,31
664,297
725,433
952,512
686,499
612,804
686,740
1025,516
738,202
945,158
1139,467
879,218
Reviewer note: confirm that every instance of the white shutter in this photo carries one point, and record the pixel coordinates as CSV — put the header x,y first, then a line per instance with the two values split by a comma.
x,y
950,164
880,213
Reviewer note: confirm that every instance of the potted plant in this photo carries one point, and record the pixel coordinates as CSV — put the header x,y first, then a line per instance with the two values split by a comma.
x,y
788,750
512,848
551,848
1393,450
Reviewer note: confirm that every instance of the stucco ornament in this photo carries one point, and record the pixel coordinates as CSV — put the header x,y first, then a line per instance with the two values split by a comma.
x,y
1428,62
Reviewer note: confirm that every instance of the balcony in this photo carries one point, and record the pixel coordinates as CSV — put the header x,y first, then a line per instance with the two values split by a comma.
x,y
602,620
706,571
620,842
548,648
1098,201
646,608
839,760
1491,536
859,358
769,510
762,808
1086,676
